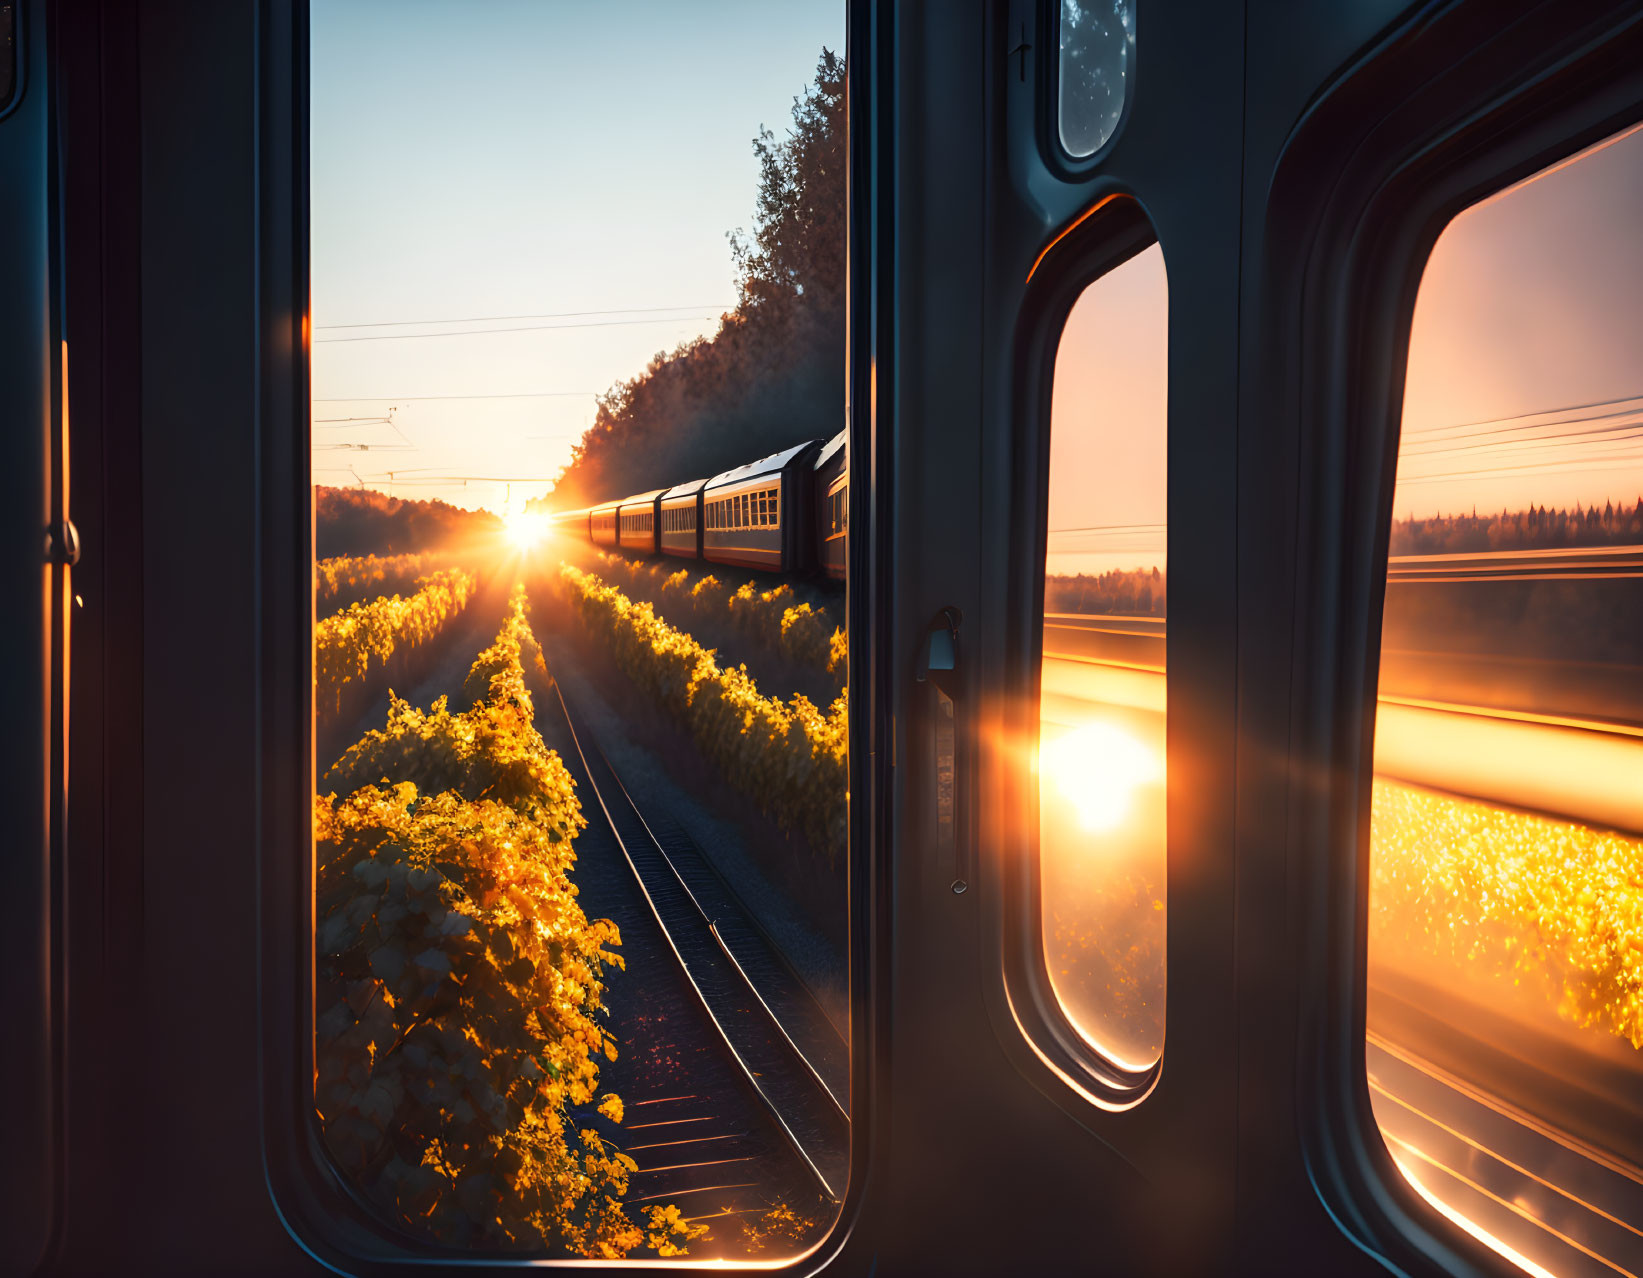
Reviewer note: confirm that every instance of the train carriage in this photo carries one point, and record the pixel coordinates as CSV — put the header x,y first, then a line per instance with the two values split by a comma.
x,y
757,516
636,523
679,515
602,524
831,482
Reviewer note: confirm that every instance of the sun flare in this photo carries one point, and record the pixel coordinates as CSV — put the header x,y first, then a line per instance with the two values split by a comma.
x,y
1099,768
525,529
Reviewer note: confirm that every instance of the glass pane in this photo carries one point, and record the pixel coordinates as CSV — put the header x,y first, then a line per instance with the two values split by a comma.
x,y
1101,754
1097,46
1506,847
581,919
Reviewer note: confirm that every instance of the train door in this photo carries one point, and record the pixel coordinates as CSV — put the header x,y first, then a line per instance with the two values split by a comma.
x,y
1057,508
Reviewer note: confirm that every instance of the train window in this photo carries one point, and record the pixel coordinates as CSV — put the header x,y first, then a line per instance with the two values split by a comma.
x,y
1505,967
579,963
1097,47
1101,753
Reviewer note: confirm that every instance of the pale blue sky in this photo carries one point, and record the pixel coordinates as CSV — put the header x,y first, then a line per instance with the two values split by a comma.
x,y
526,158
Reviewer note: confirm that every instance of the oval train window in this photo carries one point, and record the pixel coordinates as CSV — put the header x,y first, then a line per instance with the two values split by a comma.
x,y
1096,45
1102,710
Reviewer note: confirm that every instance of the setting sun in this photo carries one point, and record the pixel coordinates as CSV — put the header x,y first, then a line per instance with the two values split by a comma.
x,y
1098,768
525,529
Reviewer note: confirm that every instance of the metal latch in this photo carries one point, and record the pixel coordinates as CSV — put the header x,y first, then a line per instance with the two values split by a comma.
x,y
63,543
938,663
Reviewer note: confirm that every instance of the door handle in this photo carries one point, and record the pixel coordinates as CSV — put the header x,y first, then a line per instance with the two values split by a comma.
x,y
938,662
939,667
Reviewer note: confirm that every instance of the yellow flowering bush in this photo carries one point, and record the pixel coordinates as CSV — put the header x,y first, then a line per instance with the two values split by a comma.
x,y
353,579
789,756
459,991
348,644
1550,905
774,618
779,1229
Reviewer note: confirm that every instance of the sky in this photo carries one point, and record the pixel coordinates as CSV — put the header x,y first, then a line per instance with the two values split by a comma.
x,y
577,165
1525,380
1109,424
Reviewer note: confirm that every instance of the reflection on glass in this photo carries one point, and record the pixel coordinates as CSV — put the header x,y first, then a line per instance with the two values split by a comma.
x,y
1097,44
1506,891
1101,749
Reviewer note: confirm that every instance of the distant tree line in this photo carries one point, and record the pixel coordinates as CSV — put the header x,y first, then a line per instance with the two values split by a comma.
x,y
773,374
1137,592
359,521
1537,528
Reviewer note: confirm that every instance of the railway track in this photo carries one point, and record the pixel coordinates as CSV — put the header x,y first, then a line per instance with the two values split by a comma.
x,y
736,1082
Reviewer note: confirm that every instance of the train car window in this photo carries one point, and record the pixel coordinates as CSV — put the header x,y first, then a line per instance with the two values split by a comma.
x,y
1097,49
1101,754
1505,1000
578,961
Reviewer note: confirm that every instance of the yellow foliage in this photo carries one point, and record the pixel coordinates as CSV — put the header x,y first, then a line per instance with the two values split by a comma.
x,y
669,1231
789,756
460,985
347,643
773,618
348,579
780,1228
1552,906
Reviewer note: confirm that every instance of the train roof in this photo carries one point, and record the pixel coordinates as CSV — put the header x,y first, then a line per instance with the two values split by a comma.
x,y
647,498
687,489
831,449
773,464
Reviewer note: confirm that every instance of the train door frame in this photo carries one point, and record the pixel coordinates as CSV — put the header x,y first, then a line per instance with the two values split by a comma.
x,y
318,1210
1314,402
970,96
1445,108
35,515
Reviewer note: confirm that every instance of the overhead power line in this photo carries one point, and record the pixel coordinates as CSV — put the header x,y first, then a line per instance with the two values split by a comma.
x,y
425,478
486,319
407,399
527,328
1634,401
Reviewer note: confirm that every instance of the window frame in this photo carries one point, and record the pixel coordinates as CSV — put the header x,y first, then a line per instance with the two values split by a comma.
x,y
1057,158
1112,232
1490,106
317,1206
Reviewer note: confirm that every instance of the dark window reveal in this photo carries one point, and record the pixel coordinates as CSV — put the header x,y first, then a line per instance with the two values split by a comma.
x,y
8,51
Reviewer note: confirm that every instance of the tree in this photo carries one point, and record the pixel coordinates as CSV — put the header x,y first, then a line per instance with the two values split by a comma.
x,y
773,374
